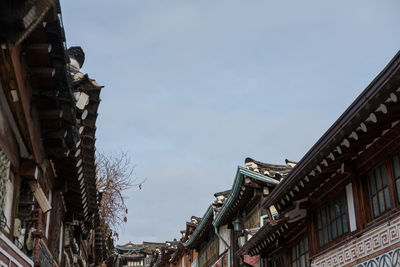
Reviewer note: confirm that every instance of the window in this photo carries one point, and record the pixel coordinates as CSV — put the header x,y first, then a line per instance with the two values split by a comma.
x,y
275,262
378,191
299,253
332,220
396,173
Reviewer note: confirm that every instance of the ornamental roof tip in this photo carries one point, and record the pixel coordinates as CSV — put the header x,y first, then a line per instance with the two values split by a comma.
x,y
274,171
220,198
78,78
195,219
223,193
76,52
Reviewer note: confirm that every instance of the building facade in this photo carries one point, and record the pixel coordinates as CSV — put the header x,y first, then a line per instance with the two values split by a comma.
x,y
340,205
48,109
138,255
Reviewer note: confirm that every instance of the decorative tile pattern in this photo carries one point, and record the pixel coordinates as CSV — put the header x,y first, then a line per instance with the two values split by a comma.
x,y
369,243
389,259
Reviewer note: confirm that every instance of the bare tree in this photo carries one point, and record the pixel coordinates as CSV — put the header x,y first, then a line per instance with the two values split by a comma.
x,y
115,173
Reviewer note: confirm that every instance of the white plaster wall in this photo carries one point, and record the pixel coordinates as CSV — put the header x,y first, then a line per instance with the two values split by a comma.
x,y
350,206
225,233
8,203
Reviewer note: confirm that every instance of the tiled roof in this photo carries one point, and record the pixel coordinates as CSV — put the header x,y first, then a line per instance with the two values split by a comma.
x,y
277,172
232,203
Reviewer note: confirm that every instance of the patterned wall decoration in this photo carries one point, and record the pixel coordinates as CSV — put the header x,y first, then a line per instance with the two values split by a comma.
x,y
381,237
389,259
4,175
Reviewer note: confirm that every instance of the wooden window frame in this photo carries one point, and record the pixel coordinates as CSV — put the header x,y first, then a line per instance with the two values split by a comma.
x,y
371,179
396,179
360,167
324,205
386,162
306,254
273,261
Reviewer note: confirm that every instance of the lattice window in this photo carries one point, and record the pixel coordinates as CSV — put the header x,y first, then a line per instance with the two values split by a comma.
x,y
332,220
4,177
378,191
299,253
275,262
396,172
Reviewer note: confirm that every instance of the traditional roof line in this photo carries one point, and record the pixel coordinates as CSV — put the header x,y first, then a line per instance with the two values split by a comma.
x,y
223,193
207,216
269,165
237,183
274,171
337,135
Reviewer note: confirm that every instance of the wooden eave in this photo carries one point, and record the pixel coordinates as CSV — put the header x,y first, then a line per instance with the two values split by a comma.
x,y
85,149
267,237
38,78
202,230
242,189
45,57
247,198
19,18
176,256
190,227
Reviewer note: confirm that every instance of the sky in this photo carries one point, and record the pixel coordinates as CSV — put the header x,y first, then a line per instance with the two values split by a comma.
x,y
194,87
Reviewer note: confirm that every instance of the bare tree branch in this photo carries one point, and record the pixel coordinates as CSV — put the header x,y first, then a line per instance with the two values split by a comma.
x,y
114,177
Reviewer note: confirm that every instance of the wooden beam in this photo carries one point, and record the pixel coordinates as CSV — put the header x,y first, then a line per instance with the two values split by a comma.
x,y
29,170
44,72
51,114
30,113
39,48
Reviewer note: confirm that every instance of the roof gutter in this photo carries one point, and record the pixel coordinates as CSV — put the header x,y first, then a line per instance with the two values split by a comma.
x,y
200,227
237,183
224,241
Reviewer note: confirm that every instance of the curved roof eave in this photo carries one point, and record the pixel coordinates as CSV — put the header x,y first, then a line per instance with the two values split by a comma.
x,y
237,183
200,227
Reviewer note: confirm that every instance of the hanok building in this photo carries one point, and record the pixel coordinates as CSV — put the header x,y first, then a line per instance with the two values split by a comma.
x,y
137,255
340,205
183,256
242,213
204,239
164,254
48,196
235,215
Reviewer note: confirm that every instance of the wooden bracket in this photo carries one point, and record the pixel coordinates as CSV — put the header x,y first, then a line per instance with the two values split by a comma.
x,y
29,170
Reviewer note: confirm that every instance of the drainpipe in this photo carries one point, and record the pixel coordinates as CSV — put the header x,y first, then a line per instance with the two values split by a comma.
x,y
223,240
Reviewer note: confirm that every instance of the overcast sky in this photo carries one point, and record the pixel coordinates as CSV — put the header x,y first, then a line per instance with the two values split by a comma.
x,y
192,88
